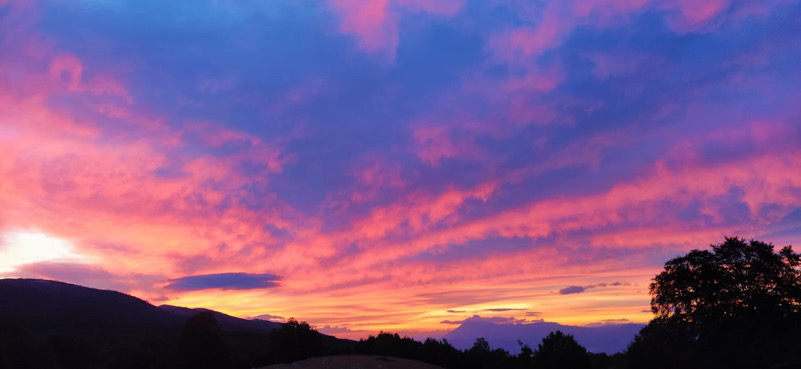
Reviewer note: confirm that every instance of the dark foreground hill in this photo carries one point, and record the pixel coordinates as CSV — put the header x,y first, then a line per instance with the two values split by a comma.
x,y
48,324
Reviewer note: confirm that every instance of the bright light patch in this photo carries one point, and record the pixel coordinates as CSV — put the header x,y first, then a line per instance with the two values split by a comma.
x,y
25,247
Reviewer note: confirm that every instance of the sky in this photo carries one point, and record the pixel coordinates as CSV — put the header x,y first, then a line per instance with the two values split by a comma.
x,y
397,165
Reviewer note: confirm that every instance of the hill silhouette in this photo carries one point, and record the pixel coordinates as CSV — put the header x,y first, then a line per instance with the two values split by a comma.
x,y
226,322
51,324
39,301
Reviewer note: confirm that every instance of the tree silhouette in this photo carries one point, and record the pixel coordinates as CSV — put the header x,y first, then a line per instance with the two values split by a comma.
x,y
736,306
561,351
440,353
295,341
735,279
481,355
391,344
480,346
202,345
526,354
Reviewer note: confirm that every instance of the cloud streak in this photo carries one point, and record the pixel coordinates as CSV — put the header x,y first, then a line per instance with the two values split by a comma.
x,y
569,290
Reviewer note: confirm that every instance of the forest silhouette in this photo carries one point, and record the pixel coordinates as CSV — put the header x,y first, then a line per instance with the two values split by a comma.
x,y
736,305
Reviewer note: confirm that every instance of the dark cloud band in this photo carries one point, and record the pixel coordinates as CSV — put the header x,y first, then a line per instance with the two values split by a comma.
x,y
225,281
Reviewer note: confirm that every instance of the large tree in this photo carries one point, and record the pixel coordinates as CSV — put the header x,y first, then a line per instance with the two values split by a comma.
x,y
735,305
735,279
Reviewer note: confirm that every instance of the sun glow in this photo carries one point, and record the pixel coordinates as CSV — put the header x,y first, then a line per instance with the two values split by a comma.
x,y
18,248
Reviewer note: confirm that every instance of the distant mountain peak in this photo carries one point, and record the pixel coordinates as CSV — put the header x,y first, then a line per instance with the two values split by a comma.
x,y
609,338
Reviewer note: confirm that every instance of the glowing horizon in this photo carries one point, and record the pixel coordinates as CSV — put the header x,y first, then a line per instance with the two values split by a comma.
x,y
395,165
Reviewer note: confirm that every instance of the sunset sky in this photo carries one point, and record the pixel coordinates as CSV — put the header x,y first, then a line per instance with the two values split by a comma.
x,y
393,164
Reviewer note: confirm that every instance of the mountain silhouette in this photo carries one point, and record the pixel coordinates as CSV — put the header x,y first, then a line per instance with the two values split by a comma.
x,y
226,322
39,301
610,338
49,324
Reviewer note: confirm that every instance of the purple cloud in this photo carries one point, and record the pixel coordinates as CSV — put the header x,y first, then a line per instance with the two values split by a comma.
x,y
489,319
571,290
89,275
269,317
498,310
224,281
454,322
579,289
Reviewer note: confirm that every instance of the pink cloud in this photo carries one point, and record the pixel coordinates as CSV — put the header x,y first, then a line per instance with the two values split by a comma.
x,y
90,275
619,63
437,7
375,23
112,189
381,175
212,135
539,79
695,15
418,211
68,70
553,22
607,8
526,42
435,143
302,94
372,175
636,204
696,12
